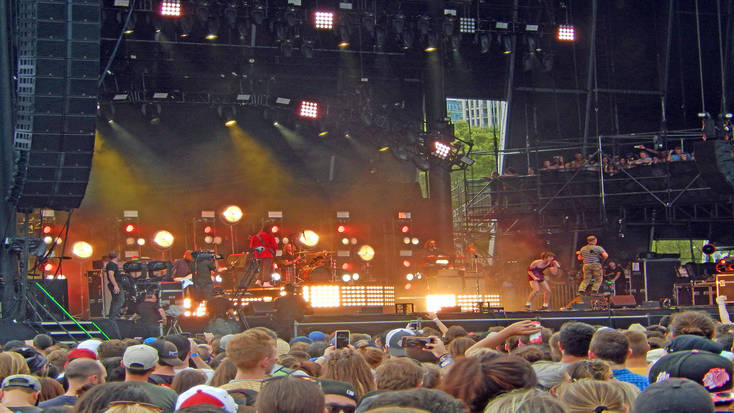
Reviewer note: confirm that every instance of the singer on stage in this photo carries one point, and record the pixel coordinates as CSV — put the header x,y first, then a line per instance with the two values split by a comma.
x,y
536,277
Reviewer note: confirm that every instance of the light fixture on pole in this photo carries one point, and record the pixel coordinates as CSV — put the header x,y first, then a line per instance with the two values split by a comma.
x,y
232,215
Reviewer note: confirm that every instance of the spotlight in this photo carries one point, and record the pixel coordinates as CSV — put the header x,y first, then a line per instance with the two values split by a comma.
x,y
208,239
366,252
405,229
82,249
48,240
129,241
48,267
140,241
346,278
355,276
47,229
218,278
467,25
274,229
163,239
309,238
232,214
208,229
415,241
406,240
441,150
309,109
275,276
353,241
566,32
406,263
230,122
129,228
170,8
323,20
345,241
409,276
340,229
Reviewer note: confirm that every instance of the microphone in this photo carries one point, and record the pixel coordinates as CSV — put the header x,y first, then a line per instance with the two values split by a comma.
x,y
259,249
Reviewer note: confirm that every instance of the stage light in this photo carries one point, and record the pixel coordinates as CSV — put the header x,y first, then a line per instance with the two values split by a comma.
x,y
140,241
467,25
230,122
309,238
208,229
441,150
341,229
129,228
232,214
418,276
274,229
163,239
309,109
346,278
130,241
275,276
355,276
415,241
353,241
324,20
346,266
46,229
187,303
406,263
285,240
366,252
208,239
345,241
218,278
405,229
566,32
48,240
170,8
409,276
406,240
436,302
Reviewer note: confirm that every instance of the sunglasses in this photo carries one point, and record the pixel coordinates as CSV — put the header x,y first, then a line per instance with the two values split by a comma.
x,y
340,408
148,406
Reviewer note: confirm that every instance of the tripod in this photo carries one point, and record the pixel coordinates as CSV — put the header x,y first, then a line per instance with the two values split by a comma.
x,y
253,268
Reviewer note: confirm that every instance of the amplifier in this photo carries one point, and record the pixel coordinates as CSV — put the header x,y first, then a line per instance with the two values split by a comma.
x,y
725,286
171,293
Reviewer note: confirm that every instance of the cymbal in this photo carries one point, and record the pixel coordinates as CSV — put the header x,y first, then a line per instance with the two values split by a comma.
x,y
317,252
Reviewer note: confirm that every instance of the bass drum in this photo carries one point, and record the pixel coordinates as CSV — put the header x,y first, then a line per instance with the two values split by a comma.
x,y
320,274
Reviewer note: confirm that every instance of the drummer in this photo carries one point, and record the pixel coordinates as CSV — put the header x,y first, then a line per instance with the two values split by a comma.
x,y
290,259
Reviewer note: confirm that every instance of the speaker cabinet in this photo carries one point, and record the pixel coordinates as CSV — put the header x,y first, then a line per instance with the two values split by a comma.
x,y
715,162
653,279
619,301
58,66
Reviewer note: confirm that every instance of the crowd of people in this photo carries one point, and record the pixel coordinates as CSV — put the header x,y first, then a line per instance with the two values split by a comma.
x,y
683,364
641,156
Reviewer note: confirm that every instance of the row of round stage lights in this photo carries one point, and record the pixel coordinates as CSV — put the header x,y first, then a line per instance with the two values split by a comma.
x,y
161,239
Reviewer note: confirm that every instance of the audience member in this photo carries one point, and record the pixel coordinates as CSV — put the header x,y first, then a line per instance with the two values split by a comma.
x,y
208,395
186,379
433,401
573,343
585,396
612,347
20,393
674,395
99,397
399,374
79,373
339,396
288,394
695,323
140,361
525,401
347,365
637,359
253,354
163,373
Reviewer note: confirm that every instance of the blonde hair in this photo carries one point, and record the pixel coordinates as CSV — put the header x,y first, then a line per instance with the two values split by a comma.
x,y
248,348
348,365
525,401
589,369
586,396
12,363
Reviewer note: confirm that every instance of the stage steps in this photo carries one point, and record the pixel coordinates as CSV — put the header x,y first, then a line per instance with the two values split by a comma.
x,y
67,331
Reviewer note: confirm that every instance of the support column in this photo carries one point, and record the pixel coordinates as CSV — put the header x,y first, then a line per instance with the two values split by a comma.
x,y
8,261
439,176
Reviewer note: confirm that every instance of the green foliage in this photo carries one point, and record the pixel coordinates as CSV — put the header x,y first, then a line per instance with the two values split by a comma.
x,y
679,246
483,139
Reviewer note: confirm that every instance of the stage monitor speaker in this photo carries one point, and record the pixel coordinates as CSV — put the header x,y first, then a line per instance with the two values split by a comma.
x,y
58,290
619,301
715,162
260,308
580,306
650,304
94,286
58,67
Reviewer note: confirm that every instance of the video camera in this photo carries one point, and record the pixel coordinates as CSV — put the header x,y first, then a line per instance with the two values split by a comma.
x,y
206,255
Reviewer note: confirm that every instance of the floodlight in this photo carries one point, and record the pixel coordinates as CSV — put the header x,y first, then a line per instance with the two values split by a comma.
x,y
409,276
163,239
232,214
275,276
140,241
82,249
170,8
309,238
324,20
346,278
441,150
309,109
566,32
366,252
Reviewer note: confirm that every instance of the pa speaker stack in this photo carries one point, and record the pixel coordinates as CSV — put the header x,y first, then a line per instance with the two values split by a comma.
x,y
715,162
58,67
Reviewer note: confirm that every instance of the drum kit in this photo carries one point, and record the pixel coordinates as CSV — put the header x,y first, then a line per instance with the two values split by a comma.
x,y
312,266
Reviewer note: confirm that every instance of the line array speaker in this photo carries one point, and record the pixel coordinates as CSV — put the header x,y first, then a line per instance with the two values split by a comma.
x,y
715,162
58,68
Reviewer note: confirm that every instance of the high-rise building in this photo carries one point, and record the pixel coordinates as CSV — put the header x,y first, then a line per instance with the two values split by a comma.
x,y
477,113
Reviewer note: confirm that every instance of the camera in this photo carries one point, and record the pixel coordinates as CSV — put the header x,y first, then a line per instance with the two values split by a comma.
x,y
206,255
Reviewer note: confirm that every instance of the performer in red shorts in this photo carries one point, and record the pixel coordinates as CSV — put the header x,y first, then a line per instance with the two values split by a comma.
x,y
537,278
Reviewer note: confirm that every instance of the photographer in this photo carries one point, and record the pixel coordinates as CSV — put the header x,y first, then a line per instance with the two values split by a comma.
x,y
150,315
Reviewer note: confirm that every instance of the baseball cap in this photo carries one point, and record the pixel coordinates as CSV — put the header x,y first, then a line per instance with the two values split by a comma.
x,y
300,339
22,380
340,388
140,357
317,336
167,352
282,347
691,342
91,345
676,395
394,340
203,394
707,369
223,341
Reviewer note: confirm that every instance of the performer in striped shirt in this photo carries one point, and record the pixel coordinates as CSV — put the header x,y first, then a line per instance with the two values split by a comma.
x,y
592,255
